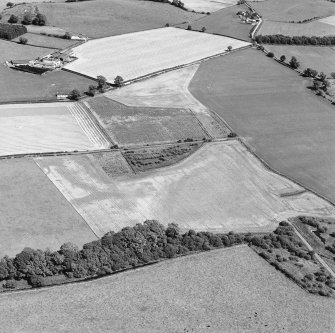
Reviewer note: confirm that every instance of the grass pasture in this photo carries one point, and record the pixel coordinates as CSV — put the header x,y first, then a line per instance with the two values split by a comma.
x,y
103,18
131,126
146,52
33,212
288,126
223,22
181,295
314,28
320,58
220,187
38,128
293,10
170,90
20,86
46,41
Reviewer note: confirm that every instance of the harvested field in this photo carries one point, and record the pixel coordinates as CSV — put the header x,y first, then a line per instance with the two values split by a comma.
x,y
113,163
29,128
223,22
170,90
103,18
293,10
328,20
221,187
159,49
20,86
33,212
310,29
184,294
320,58
206,6
129,126
46,41
288,126
145,159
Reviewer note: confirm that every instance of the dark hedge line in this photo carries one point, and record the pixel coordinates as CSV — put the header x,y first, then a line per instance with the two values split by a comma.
x,y
296,40
130,247
11,31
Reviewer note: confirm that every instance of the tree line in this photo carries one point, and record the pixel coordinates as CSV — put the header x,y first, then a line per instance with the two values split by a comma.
x,y
295,40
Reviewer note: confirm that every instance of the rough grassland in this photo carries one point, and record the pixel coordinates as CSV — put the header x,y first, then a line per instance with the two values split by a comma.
x,y
221,187
20,86
170,90
146,52
320,58
45,41
223,22
290,127
102,18
293,10
37,128
314,28
137,126
228,290
33,212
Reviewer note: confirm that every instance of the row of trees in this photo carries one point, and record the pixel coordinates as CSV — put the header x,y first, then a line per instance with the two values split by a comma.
x,y
130,247
28,19
295,40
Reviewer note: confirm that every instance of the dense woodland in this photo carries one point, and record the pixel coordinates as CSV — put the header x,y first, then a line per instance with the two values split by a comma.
x,y
10,31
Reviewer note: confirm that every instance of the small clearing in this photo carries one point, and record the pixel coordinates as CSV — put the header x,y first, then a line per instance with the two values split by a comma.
x,y
131,126
221,187
170,90
29,128
33,212
228,290
147,52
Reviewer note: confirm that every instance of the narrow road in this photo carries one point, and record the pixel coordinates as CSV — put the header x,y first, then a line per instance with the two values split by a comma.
x,y
322,262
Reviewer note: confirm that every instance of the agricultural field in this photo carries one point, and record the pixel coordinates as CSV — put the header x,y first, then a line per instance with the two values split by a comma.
x,y
160,49
314,28
29,128
182,295
320,58
223,22
46,41
145,159
103,18
287,125
113,163
296,10
132,126
33,212
20,86
170,90
207,6
240,194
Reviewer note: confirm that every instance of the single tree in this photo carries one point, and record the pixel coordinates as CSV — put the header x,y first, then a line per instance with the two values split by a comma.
x,y
314,73
118,81
67,35
13,19
294,63
316,85
91,90
189,27
101,81
23,40
322,76
282,58
27,19
9,4
270,54
40,19
74,95
203,29
229,48
332,75
167,24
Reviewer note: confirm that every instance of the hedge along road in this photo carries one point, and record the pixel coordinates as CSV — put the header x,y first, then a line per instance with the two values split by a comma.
x,y
269,105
